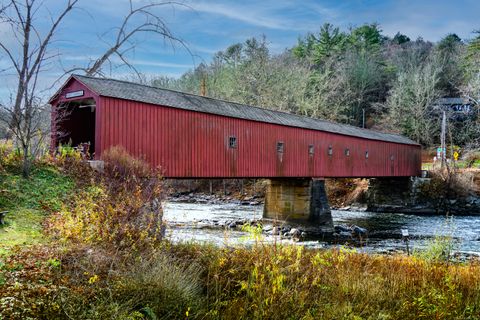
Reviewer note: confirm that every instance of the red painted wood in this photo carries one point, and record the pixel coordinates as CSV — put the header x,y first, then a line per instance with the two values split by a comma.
x,y
71,86
188,144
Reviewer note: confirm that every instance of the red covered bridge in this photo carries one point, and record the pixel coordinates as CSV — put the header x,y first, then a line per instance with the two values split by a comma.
x,y
192,136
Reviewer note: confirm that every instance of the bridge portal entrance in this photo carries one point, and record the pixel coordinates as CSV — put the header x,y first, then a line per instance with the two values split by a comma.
x,y
76,125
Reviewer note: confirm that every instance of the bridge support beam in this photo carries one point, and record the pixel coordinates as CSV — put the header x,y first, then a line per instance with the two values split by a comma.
x,y
302,201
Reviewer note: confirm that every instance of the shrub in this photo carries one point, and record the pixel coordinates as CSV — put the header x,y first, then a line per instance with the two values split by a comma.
x,y
105,286
345,191
162,285
9,155
441,247
472,158
288,282
123,174
261,282
67,151
449,183
120,206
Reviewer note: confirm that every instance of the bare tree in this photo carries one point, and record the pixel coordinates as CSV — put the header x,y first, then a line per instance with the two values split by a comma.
x,y
26,115
142,19
408,107
27,55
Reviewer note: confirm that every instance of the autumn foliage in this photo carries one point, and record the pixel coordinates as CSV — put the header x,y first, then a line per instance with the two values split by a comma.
x,y
118,206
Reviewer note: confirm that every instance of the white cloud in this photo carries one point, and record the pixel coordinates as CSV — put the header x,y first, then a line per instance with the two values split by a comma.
x,y
240,13
259,14
152,63
203,49
323,10
135,62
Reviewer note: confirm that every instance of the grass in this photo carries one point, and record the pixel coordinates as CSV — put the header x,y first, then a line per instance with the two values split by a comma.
x,y
44,190
24,227
193,281
28,202
289,282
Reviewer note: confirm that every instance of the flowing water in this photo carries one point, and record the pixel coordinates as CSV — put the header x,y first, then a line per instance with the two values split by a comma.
x,y
203,222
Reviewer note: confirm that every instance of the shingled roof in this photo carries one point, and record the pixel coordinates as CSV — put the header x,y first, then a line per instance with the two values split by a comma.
x,y
175,99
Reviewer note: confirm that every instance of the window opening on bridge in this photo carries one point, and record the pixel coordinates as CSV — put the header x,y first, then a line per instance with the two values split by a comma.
x,y
232,142
330,150
347,152
311,149
392,157
280,147
366,154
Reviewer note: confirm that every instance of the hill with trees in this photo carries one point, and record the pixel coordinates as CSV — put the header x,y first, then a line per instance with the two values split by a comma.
x,y
359,77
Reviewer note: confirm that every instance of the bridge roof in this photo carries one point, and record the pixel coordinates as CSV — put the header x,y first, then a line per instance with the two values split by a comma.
x,y
175,99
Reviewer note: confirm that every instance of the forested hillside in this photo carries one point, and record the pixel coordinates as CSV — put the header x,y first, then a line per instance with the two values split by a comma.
x,y
358,77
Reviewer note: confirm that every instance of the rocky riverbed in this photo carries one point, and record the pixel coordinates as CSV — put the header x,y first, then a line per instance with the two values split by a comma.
x,y
235,222
215,199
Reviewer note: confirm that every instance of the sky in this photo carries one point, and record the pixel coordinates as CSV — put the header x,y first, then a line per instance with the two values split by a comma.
x,y
208,26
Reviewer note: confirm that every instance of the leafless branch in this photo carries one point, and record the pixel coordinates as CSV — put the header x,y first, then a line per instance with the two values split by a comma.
x,y
3,8
152,23
24,113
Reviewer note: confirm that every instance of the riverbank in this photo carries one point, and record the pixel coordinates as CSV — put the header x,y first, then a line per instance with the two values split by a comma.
x,y
448,191
91,262
262,282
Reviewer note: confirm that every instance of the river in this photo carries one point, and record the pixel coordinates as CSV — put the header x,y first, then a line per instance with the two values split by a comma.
x,y
203,222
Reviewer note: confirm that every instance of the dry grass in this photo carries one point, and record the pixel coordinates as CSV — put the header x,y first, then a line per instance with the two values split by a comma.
x,y
474,177
263,282
452,182
293,283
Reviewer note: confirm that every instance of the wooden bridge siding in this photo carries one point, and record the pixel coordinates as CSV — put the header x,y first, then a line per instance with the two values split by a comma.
x,y
193,144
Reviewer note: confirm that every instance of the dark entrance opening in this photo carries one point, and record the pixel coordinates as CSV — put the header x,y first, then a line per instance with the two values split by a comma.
x,y
76,125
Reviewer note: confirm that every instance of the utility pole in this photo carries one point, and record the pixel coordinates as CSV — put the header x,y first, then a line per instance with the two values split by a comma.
x,y
203,86
442,138
363,118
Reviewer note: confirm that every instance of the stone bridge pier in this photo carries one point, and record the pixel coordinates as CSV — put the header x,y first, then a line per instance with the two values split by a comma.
x,y
302,201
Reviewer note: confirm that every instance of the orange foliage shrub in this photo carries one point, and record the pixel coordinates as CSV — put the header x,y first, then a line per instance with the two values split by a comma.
x,y
119,206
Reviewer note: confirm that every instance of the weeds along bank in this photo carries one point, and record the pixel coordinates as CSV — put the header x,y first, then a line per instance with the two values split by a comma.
x,y
265,282
102,257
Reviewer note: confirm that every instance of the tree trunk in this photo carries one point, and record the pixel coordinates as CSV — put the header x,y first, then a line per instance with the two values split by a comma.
x,y
26,162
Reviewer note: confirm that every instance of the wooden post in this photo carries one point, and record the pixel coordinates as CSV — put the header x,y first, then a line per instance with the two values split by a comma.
x,y
442,139
203,86
211,186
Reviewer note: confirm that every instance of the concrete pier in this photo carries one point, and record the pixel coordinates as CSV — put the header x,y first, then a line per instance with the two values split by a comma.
x,y
302,201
